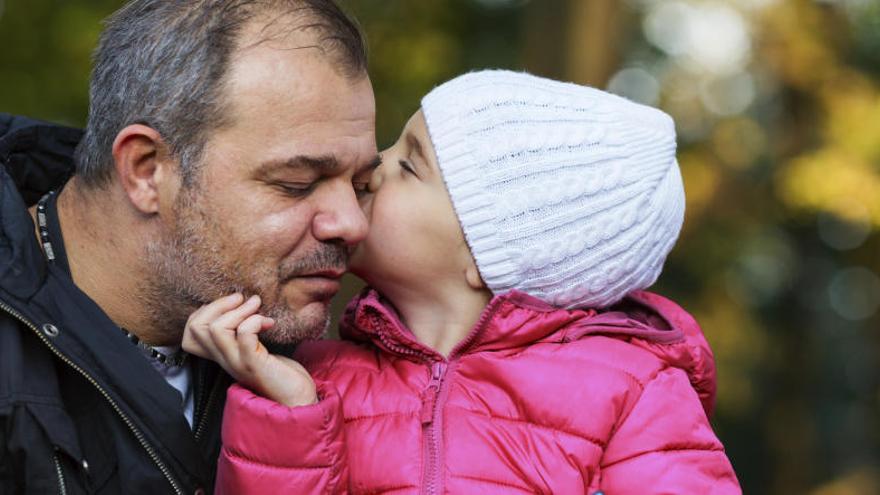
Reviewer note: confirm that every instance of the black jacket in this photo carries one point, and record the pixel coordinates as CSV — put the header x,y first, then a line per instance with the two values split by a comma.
x,y
81,409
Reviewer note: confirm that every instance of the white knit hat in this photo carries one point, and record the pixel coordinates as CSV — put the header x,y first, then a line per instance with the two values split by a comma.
x,y
565,192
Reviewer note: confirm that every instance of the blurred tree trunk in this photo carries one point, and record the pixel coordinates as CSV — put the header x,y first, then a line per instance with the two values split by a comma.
x,y
577,40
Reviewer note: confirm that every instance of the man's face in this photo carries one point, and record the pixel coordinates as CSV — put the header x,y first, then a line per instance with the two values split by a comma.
x,y
275,204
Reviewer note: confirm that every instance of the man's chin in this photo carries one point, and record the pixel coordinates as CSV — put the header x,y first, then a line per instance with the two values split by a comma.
x,y
309,323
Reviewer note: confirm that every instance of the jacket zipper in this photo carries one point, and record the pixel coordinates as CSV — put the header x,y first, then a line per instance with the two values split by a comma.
x,y
205,410
432,422
62,486
404,351
199,376
137,433
432,410
431,415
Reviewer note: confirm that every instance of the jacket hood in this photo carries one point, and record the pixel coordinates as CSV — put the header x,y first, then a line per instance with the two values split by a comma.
x,y
515,319
35,158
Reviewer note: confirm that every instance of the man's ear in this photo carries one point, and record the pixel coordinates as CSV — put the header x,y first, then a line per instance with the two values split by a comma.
x,y
144,163
474,280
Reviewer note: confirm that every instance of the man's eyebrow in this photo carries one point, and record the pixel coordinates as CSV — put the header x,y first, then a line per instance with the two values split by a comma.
x,y
321,164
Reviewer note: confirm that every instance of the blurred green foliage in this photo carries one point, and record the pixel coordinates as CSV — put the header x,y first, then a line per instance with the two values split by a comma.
x,y
777,104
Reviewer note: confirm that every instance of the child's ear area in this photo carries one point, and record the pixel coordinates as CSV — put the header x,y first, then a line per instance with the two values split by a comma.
x,y
473,278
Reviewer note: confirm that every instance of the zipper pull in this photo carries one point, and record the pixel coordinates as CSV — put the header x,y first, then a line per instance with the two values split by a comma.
x,y
429,396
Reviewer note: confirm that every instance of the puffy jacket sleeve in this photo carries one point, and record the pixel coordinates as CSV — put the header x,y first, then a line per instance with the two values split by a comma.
x,y
666,445
272,448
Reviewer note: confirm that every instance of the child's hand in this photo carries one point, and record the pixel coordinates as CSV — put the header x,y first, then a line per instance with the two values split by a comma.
x,y
226,331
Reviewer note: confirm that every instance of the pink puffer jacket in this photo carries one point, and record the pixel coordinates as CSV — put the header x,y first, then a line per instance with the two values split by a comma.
x,y
535,400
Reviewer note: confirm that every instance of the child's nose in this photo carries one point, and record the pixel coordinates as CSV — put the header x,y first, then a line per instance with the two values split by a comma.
x,y
376,179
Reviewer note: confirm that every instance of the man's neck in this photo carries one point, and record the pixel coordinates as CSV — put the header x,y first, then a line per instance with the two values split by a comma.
x,y
102,241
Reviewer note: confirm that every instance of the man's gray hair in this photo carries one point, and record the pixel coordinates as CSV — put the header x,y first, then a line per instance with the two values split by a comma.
x,y
162,63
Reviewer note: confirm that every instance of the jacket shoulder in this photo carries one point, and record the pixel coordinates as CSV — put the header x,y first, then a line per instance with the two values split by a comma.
x,y
619,354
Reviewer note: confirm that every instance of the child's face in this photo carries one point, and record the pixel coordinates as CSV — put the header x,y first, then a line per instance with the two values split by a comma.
x,y
415,239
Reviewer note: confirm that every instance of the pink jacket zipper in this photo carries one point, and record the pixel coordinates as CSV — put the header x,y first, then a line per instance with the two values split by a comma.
x,y
431,413
432,423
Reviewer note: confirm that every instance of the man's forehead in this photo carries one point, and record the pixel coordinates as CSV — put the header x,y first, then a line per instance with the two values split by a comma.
x,y
282,59
300,80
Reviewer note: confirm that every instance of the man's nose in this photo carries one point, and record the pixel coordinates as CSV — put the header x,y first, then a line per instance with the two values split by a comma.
x,y
339,217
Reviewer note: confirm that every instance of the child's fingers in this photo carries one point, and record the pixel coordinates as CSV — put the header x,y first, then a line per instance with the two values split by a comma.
x,y
231,319
247,337
213,310
197,338
202,343
192,345
223,342
211,331
227,346
198,324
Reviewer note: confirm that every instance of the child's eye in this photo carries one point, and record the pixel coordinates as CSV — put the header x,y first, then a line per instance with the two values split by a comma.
x,y
404,164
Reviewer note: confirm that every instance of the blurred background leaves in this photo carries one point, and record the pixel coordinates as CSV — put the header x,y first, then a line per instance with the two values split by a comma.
x,y
777,105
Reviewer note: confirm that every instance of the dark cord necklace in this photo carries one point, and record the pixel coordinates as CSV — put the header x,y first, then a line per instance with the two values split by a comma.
x,y
174,359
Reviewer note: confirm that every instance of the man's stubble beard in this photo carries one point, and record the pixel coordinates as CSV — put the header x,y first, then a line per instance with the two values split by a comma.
x,y
189,269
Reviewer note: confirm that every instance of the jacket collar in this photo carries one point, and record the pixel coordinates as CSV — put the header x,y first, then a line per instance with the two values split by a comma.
x,y
515,320
511,320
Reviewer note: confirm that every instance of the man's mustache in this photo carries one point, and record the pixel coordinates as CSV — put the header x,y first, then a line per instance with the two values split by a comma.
x,y
327,257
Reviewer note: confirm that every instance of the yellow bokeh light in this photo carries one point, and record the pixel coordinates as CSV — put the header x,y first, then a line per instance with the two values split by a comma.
x,y
739,142
739,345
832,180
701,178
852,105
